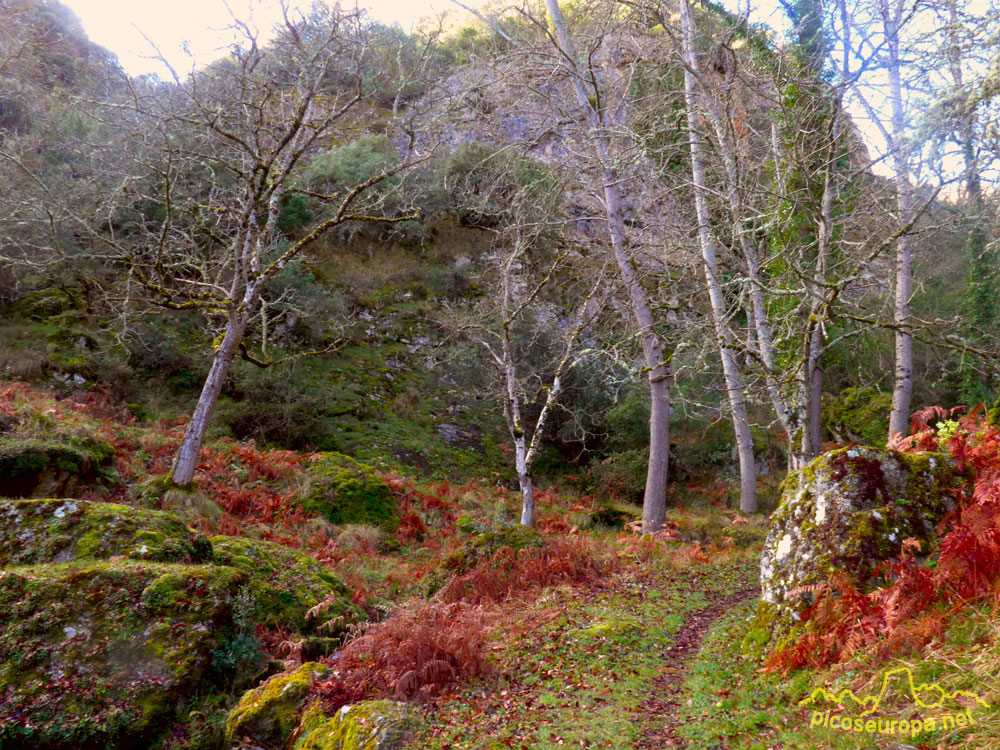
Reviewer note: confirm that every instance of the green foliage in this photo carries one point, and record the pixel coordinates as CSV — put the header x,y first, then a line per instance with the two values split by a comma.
x,y
343,167
859,415
295,213
346,491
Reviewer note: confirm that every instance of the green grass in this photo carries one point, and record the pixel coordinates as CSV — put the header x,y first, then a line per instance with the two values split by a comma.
x,y
729,703
579,673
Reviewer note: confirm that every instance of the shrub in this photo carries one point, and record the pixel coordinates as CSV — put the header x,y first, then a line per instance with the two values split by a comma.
x,y
420,651
512,572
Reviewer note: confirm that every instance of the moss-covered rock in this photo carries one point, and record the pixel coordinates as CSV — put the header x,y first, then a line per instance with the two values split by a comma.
x,y
268,714
42,531
477,548
846,512
371,725
100,654
286,584
51,468
346,491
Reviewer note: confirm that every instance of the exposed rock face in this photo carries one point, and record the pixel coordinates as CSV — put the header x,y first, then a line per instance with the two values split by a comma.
x,y
102,653
268,714
848,511
286,584
51,468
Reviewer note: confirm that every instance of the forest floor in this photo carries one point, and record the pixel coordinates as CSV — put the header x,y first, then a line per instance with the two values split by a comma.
x,y
598,637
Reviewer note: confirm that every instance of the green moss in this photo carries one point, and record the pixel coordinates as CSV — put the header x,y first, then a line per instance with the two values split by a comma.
x,y
372,725
286,584
858,415
269,713
39,531
101,653
346,491
30,466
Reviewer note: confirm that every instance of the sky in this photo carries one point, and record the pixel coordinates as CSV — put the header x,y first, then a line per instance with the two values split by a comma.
x,y
120,25
126,27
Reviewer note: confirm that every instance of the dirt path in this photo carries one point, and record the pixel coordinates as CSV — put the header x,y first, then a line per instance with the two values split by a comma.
x,y
658,714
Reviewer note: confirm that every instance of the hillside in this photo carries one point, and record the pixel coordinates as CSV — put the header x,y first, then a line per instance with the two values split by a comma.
x,y
572,374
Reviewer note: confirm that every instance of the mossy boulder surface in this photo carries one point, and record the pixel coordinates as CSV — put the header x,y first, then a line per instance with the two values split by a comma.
x,y
371,725
286,584
42,531
101,653
846,512
51,468
268,714
346,491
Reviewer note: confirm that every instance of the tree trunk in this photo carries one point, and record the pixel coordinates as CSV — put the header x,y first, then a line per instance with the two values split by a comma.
x,y
194,436
527,498
724,335
902,389
654,504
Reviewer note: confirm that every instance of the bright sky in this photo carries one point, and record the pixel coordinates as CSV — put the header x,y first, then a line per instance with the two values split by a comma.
x,y
116,25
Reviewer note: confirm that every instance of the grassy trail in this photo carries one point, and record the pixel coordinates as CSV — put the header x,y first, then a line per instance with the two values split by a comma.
x,y
659,714
578,668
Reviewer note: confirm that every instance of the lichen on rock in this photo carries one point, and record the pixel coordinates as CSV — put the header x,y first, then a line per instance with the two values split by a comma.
x,y
286,584
371,725
346,491
41,531
846,512
268,714
101,653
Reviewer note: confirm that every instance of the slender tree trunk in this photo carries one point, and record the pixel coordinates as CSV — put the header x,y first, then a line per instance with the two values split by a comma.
x,y
902,389
194,436
527,498
733,376
654,505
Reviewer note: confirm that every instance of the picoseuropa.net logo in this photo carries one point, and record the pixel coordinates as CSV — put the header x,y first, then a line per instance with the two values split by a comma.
x,y
939,708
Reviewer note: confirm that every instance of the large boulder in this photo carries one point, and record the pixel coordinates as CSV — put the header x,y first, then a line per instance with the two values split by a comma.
x,y
52,468
370,725
42,531
104,653
268,715
344,491
847,512
286,584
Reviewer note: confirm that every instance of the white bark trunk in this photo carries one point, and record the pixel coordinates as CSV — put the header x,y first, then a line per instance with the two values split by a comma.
x,y
724,335
654,505
902,390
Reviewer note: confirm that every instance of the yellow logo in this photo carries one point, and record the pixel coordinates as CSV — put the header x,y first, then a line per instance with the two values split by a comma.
x,y
928,696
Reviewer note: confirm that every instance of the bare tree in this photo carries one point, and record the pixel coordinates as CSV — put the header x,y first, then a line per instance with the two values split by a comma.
x,y
188,199
735,387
